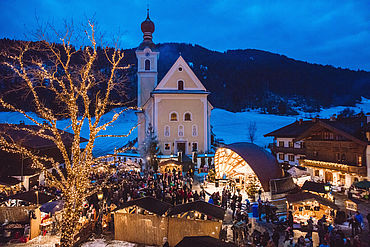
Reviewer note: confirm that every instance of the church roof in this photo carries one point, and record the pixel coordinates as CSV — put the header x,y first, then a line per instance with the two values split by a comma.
x,y
161,91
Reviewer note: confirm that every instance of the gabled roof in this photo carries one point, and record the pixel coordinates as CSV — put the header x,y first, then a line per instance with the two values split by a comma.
x,y
150,204
18,134
352,128
340,128
292,130
307,196
186,69
315,187
200,206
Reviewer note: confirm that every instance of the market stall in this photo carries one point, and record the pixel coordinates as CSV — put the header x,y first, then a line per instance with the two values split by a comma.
x,y
169,166
305,205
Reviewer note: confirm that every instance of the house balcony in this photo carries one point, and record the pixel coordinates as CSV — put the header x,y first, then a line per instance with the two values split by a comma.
x,y
276,149
345,168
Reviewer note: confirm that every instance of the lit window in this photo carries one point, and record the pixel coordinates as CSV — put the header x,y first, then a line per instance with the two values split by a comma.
x,y
359,160
181,130
167,130
281,144
194,130
317,173
180,85
187,116
173,116
147,64
291,144
167,146
291,157
281,156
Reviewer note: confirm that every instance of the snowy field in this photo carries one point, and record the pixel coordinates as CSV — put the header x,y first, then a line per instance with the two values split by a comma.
x,y
231,127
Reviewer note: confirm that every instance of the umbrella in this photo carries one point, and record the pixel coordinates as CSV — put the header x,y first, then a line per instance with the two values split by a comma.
x,y
35,197
363,185
52,207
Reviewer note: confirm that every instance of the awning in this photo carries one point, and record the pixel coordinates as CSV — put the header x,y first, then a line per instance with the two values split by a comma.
x,y
307,196
148,203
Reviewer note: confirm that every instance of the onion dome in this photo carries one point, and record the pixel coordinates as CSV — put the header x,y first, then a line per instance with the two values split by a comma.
x,y
147,27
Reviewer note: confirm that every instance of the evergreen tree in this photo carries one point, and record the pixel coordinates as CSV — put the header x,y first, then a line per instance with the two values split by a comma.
x,y
150,148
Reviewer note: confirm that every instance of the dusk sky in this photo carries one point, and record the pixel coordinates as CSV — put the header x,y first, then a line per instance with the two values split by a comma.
x,y
335,32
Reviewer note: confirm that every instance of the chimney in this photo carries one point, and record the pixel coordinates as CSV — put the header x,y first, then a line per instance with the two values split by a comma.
x,y
333,118
21,123
300,121
314,120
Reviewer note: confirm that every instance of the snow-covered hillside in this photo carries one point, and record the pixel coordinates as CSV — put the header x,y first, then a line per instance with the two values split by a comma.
x,y
231,127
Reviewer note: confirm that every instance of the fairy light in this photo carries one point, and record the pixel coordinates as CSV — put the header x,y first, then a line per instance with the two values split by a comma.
x,y
71,86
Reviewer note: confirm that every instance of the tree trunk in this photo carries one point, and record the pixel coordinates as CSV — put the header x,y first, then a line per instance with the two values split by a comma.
x,y
69,224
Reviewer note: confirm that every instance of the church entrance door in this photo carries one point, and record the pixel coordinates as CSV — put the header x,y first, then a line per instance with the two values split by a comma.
x,y
181,147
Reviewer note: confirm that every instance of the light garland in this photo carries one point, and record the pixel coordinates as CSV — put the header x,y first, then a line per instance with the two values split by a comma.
x,y
71,86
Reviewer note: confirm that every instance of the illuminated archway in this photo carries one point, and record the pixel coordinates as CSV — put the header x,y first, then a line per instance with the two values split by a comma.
x,y
231,165
249,162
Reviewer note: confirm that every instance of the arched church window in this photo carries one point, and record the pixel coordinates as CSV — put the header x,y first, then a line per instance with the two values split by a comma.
x,y
167,130
181,130
173,117
194,130
147,64
180,85
187,116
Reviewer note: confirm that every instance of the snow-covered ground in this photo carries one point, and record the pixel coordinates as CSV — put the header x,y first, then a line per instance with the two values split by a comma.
x,y
231,127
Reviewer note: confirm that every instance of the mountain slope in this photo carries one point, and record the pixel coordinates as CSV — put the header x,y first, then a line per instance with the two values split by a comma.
x,y
238,79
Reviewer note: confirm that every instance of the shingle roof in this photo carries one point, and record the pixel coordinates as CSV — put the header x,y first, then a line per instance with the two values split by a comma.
x,y
305,196
315,187
201,207
292,130
150,204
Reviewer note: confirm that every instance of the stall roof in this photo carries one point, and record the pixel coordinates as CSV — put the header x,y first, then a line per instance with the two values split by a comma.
x,y
150,204
304,196
32,197
315,187
200,206
203,241
9,181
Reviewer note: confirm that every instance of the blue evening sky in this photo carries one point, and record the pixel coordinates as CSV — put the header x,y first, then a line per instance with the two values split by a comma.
x,y
335,32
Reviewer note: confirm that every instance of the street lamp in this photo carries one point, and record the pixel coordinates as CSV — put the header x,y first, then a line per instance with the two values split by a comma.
x,y
100,195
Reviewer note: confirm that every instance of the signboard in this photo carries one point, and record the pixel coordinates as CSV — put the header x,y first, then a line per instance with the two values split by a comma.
x,y
350,205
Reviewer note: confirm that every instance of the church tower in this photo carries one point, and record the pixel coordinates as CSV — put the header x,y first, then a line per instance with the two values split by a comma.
x,y
147,58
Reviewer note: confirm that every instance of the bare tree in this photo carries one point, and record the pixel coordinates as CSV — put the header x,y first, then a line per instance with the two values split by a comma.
x,y
252,129
72,84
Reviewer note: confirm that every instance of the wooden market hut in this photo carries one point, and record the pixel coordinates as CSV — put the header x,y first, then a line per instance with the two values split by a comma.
x,y
148,220
305,205
194,219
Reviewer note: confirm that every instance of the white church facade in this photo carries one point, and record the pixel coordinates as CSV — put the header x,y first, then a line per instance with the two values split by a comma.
x,y
177,107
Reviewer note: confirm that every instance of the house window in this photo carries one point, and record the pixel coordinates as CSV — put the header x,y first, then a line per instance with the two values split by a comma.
x,y
194,130
147,64
187,116
167,146
180,68
173,117
317,173
281,156
194,146
167,130
291,144
180,85
291,157
315,153
359,160
281,144
343,157
181,130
